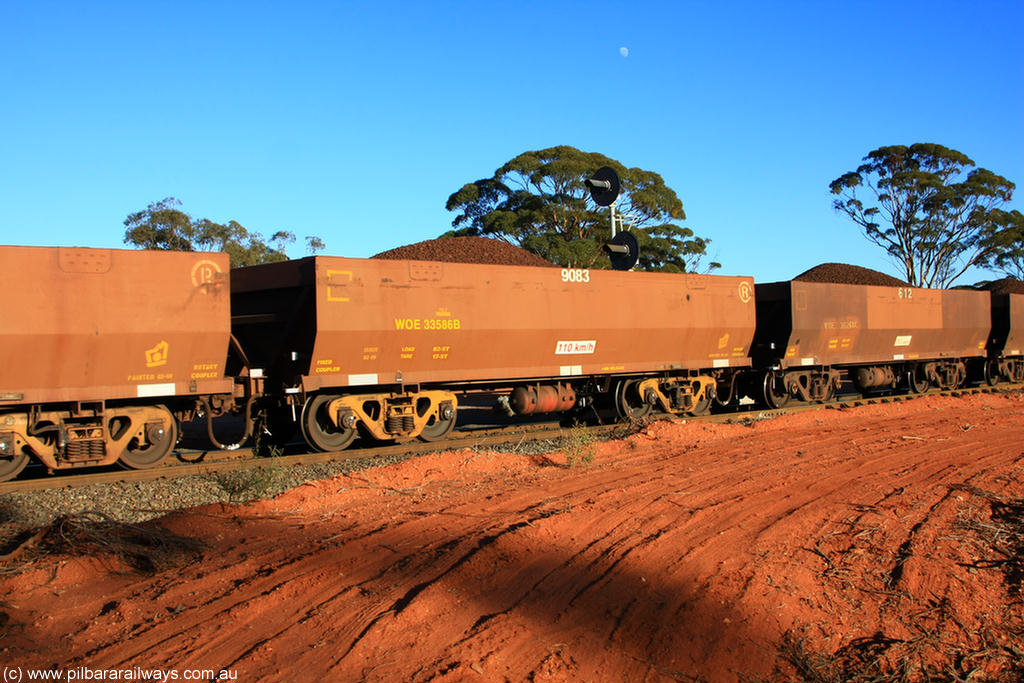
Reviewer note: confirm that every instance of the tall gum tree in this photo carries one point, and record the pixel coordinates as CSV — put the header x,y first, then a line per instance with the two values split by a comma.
x,y
1008,256
539,201
164,226
930,209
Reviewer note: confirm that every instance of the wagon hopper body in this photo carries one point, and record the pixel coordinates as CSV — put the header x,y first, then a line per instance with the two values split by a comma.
x,y
1006,345
100,345
810,332
369,337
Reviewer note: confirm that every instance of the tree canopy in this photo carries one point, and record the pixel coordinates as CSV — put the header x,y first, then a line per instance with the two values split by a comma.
x,y
933,215
162,225
539,201
1008,255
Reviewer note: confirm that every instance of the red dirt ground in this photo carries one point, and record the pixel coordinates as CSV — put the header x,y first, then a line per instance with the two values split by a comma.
x,y
829,543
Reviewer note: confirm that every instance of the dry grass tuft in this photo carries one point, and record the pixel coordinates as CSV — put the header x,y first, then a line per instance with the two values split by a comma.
x,y
1000,536
934,645
578,446
249,484
146,548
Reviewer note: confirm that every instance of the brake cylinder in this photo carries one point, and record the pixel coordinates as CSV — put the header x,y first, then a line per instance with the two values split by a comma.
x,y
542,398
871,377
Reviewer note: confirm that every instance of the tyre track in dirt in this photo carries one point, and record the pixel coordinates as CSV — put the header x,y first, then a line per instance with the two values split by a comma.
x,y
684,554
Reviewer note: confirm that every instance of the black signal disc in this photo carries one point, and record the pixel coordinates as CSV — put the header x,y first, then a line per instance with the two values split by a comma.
x,y
605,196
623,260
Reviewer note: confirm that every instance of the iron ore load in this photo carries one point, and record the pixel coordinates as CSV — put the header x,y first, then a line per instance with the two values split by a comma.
x,y
105,352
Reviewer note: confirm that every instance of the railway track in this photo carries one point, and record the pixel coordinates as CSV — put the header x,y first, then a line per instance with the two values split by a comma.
x,y
204,462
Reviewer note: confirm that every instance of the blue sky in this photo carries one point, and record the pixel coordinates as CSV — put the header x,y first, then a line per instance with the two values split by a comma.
x,y
354,121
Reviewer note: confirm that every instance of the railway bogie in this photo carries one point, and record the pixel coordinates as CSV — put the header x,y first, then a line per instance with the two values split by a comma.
x,y
691,395
136,436
1008,369
816,385
331,422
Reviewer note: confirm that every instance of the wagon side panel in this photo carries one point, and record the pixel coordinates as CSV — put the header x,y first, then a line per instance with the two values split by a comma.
x,y
837,324
1014,345
966,323
89,324
382,322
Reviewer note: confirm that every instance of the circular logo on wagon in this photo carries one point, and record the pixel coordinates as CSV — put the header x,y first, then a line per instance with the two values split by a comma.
x,y
203,272
745,292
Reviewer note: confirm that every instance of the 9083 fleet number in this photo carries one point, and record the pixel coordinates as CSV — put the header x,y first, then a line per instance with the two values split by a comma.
x,y
575,275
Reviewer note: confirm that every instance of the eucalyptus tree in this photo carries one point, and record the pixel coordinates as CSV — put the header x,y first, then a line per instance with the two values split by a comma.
x,y
163,225
930,209
1008,256
539,201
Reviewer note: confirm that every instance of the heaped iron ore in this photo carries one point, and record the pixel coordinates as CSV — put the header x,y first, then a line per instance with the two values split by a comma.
x,y
1007,285
845,274
466,250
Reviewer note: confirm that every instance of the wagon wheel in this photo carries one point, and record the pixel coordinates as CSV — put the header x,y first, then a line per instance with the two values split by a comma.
x,y
702,405
12,465
774,390
318,430
917,381
629,404
159,442
992,372
440,425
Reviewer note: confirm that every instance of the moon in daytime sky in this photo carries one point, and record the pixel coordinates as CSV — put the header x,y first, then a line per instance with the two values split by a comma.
x,y
624,51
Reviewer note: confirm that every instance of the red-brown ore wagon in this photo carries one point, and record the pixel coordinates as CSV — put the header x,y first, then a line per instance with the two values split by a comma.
x,y
387,346
1006,346
101,347
810,333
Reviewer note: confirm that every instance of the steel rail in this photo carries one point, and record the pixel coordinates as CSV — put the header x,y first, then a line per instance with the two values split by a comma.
x,y
212,461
